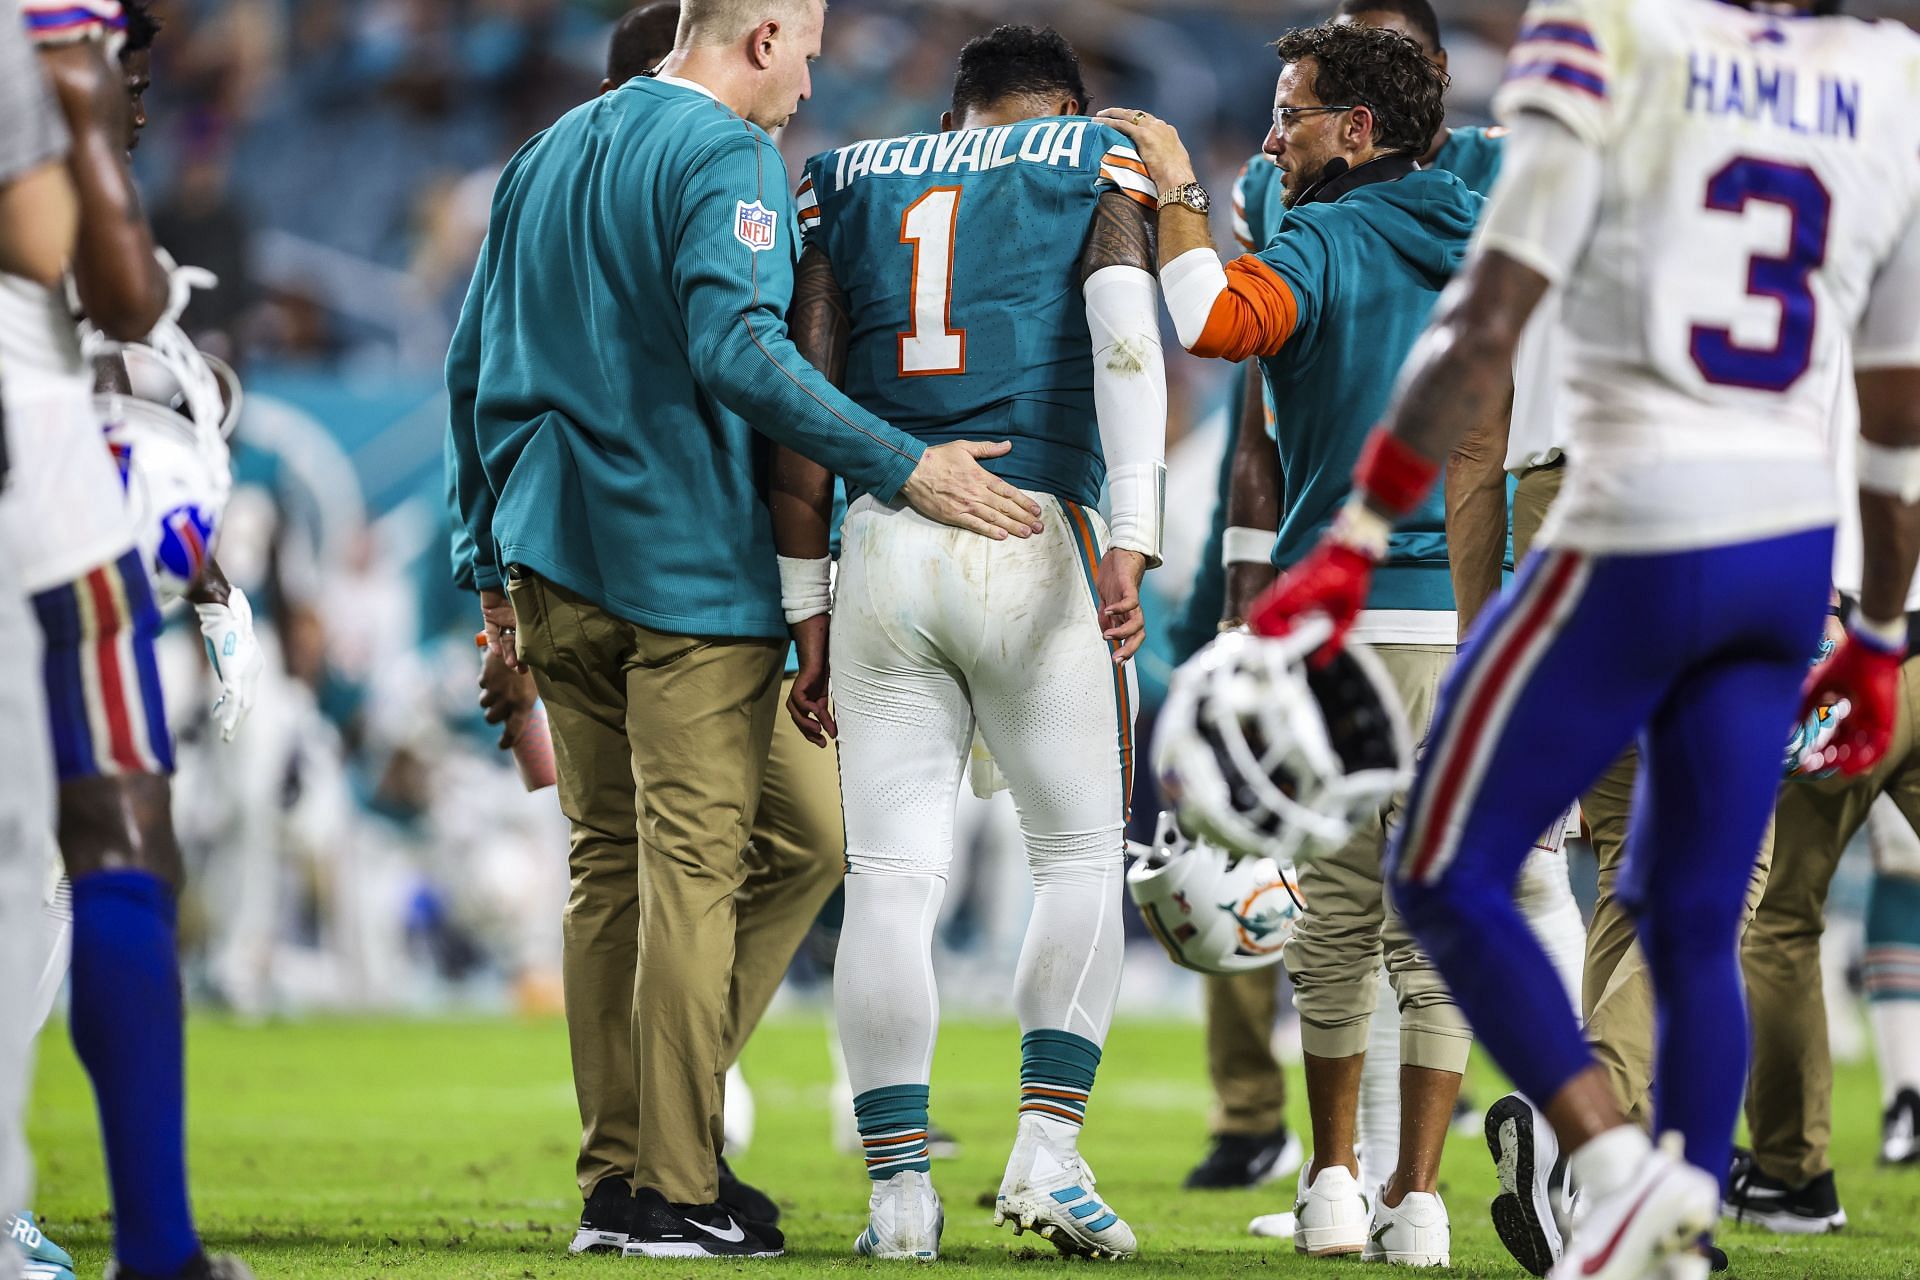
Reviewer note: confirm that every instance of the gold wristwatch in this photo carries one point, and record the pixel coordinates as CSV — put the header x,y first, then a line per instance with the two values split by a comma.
x,y
1191,194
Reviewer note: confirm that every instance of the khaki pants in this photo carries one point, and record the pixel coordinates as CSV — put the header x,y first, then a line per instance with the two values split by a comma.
x,y
1617,994
1335,953
1249,1084
1790,1089
660,741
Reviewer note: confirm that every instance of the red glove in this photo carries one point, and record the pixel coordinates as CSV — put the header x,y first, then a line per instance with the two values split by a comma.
x,y
51,22
1865,675
1332,580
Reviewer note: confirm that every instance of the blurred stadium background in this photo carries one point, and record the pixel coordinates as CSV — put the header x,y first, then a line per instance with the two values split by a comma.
x,y
364,846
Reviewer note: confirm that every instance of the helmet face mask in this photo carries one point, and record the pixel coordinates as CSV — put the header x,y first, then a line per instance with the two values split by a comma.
x,y
1267,756
168,437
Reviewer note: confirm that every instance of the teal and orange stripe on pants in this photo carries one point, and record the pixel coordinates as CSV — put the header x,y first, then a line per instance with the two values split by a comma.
x,y
1088,547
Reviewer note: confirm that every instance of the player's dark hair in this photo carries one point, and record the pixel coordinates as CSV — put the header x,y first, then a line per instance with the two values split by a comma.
x,y
1382,70
1418,13
1017,62
142,27
642,39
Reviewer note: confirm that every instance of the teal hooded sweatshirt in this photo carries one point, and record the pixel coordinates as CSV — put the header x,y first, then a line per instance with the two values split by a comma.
x,y
1366,263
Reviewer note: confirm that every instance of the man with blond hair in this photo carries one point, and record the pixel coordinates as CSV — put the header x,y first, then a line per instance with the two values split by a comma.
x,y
623,341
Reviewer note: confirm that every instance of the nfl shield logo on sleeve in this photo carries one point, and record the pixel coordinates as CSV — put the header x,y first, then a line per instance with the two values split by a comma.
x,y
756,226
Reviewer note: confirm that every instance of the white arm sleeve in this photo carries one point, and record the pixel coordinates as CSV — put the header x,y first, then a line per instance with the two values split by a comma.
x,y
1889,335
1130,400
1194,281
1543,212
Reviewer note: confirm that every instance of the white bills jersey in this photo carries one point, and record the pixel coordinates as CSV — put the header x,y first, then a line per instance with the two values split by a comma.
x,y
1759,213
64,508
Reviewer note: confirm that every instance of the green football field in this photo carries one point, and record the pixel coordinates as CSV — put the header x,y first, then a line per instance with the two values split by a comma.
x,y
361,1149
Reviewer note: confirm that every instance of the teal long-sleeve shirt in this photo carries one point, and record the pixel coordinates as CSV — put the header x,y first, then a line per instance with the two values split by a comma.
x,y
622,361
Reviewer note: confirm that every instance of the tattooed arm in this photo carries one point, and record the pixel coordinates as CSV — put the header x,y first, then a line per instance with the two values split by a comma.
x,y
801,500
1130,402
821,327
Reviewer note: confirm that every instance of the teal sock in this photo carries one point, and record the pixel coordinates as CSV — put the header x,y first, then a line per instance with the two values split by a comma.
x,y
893,1129
1892,968
1056,1075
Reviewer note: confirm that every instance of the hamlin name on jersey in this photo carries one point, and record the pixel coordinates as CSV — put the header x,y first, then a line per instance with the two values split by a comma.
x,y
1755,240
1764,92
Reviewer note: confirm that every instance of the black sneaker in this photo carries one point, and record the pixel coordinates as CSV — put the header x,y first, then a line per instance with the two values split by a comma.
x,y
1247,1160
662,1230
1770,1203
1900,1131
746,1201
218,1266
607,1218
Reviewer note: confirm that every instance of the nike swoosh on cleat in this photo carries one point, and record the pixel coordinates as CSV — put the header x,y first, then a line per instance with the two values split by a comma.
x,y
1598,1262
734,1233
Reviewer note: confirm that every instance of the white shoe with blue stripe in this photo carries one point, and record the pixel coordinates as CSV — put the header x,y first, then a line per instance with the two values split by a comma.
x,y
40,1258
1050,1190
904,1219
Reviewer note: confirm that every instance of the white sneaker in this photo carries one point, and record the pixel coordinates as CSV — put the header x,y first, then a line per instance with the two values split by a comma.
x,y
1689,1264
736,1114
1272,1226
1050,1190
1524,1150
1664,1208
904,1219
1330,1214
1413,1233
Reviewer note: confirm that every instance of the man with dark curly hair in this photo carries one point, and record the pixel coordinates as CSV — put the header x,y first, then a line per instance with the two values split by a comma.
x,y
1331,306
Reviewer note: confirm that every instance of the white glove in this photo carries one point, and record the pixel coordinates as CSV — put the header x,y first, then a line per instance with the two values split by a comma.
x,y
235,655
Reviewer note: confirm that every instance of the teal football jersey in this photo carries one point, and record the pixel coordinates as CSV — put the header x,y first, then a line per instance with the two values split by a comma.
x,y
960,257
1257,202
1474,156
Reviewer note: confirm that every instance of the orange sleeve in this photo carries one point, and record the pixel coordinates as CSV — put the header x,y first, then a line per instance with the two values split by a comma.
x,y
1254,317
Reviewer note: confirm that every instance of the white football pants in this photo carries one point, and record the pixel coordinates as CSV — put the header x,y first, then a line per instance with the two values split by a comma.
x,y
936,630
26,816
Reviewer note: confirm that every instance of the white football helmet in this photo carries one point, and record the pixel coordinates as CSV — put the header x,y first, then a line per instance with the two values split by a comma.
x,y
1211,911
169,437
1270,756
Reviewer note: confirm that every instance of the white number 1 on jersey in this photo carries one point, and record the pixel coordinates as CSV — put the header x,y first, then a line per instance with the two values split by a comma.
x,y
933,346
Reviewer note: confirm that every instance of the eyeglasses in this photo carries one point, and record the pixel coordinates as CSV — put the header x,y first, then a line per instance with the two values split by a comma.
x,y
1283,117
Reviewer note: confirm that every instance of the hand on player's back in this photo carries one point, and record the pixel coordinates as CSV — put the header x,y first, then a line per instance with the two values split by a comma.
x,y
1122,621
952,487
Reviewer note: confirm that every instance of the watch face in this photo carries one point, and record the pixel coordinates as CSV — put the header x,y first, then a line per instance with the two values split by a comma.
x,y
1197,199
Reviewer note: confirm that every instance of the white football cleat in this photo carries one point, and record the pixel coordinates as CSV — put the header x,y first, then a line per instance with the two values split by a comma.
x,y
1661,1210
1272,1226
1330,1214
1050,1190
904,1219
1524,1150
1413,1233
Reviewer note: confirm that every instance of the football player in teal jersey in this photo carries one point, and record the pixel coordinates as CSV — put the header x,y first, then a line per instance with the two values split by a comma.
x,y
997,275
